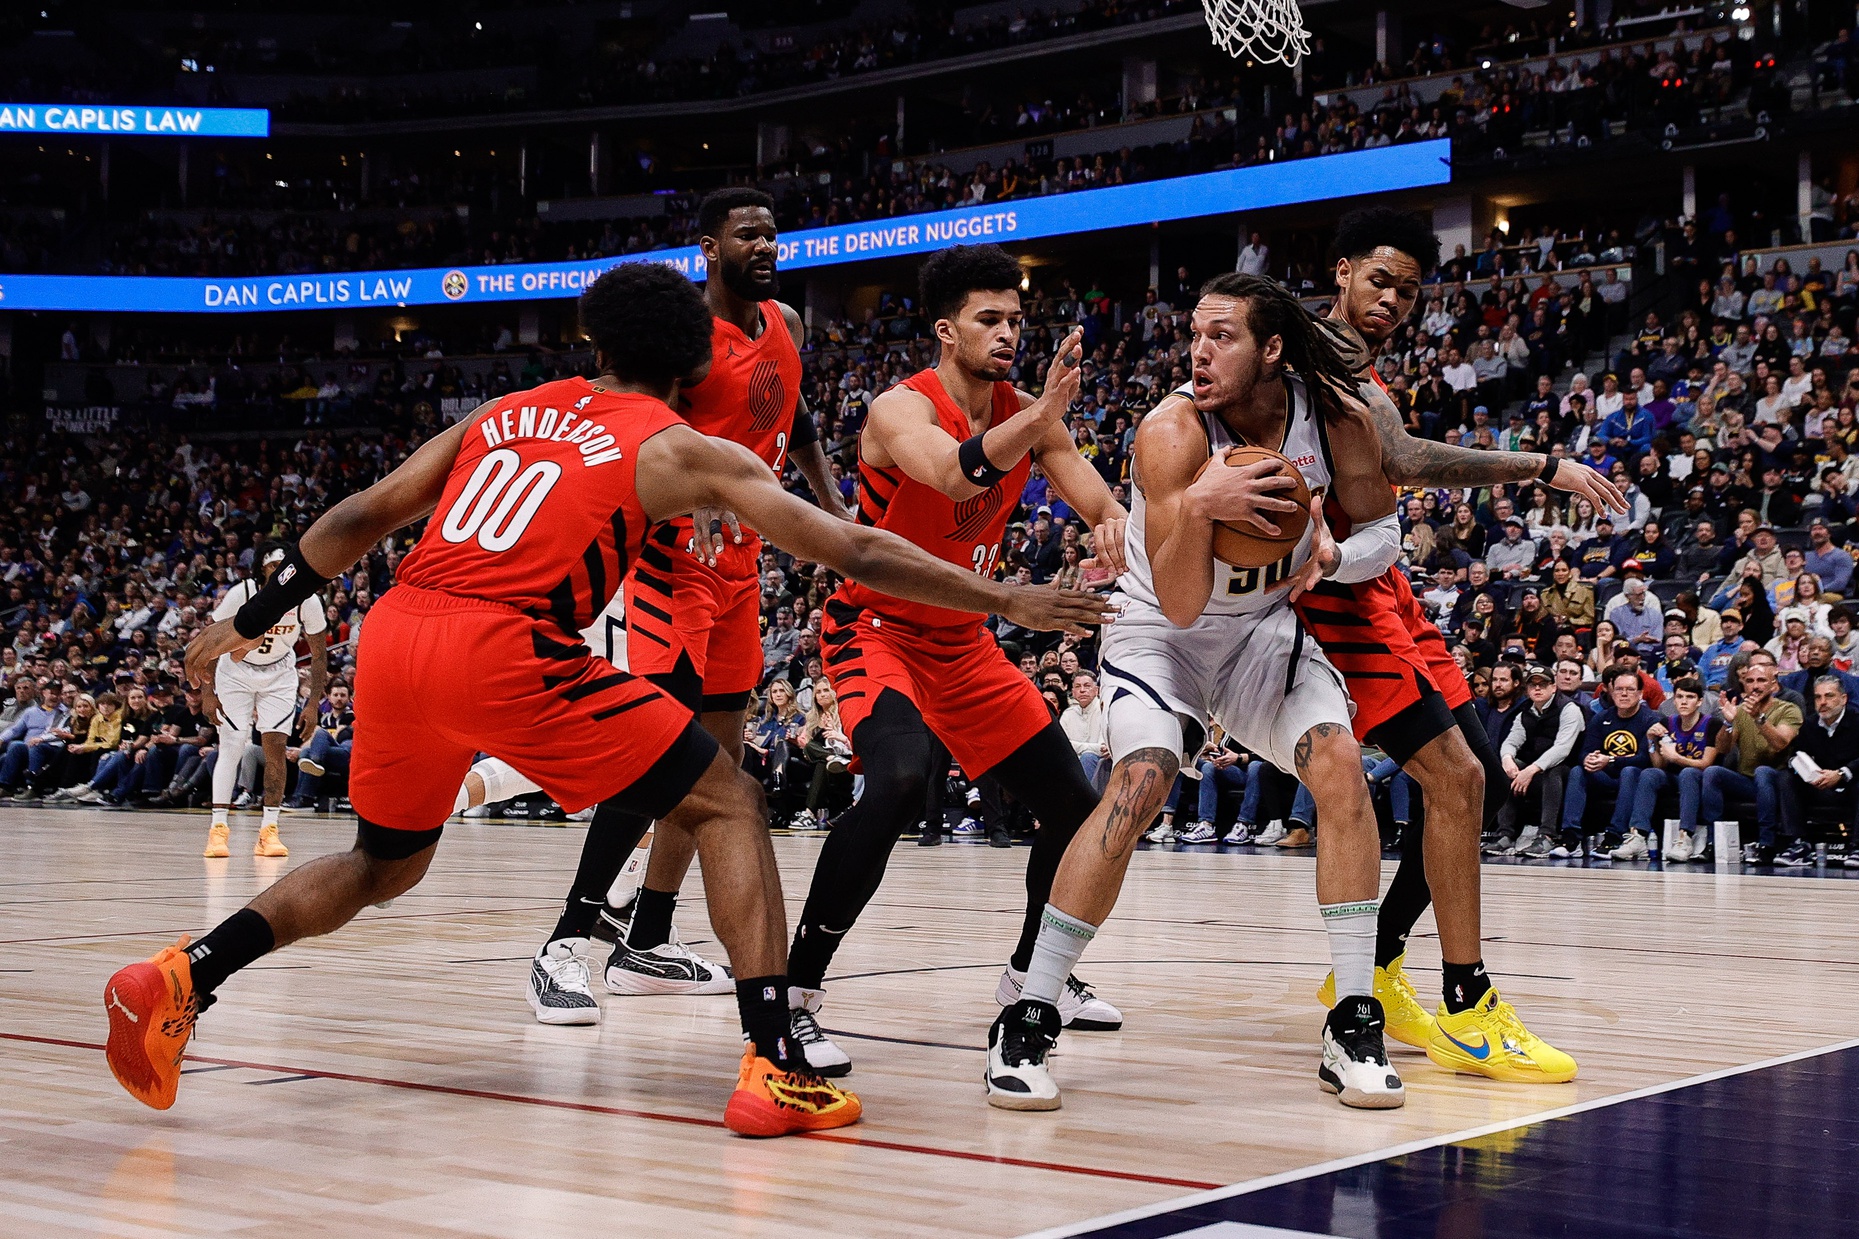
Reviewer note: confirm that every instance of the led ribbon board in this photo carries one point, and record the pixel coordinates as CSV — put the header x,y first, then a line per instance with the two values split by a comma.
x,y
106,121
1389,168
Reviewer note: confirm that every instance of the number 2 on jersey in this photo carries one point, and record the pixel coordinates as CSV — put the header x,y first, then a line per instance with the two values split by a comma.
x,y
499,500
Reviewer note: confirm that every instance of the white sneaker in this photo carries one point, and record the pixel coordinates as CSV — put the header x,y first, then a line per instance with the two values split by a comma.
x,y
821,1054
1018,1042
669,968
1680,851
1633,847
1239,836
1355,1060
557,991
242,801
1164,832
1701,846
1080,1008
477,811
803,821
1197,832
88,795
1270,835
1560,851
585,815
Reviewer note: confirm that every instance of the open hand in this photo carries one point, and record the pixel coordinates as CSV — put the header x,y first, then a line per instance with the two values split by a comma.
x,y
1049,609
1580,479
204,650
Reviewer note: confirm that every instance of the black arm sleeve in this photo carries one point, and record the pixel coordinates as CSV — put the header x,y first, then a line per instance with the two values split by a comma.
x,y
804,431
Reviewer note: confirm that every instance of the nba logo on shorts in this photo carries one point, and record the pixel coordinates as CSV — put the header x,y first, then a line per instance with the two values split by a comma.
x,y
455,285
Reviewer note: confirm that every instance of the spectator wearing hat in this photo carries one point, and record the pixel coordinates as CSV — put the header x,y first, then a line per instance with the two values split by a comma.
x,y
1763,554
1680,526
1513,557
1776,503
1535,754
1833,565
1680,662
1786,644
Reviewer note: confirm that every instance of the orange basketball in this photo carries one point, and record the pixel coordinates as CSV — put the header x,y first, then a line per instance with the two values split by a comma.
x,y
1244,547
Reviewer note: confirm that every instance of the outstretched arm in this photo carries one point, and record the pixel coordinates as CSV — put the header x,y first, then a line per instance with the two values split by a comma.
x,y
804,442
1081,486
1411,461
680,469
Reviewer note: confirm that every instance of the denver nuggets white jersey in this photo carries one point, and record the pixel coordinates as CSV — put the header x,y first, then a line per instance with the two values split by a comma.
x,y
280,643
1237,591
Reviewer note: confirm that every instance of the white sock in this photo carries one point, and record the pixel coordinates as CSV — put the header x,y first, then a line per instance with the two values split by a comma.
x,y
1351,927
631,876
219,815
271,816
1061,941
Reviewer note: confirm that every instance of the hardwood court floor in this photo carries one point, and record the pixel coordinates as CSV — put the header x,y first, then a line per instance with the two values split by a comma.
x,y
389,1080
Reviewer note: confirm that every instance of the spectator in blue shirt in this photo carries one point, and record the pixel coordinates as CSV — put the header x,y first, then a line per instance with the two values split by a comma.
x,y
1832,565
1638,617
34,722
1614,749
1627,430
1714,663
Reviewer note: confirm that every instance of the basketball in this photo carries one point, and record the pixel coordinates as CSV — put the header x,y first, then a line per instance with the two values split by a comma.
x,y
1241,547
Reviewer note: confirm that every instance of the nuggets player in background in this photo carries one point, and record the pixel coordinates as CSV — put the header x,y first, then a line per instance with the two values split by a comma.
x,y
541,503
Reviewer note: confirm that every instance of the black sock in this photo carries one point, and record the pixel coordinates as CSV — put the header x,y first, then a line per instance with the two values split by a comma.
x,y
762,1002
1465,985
1407,897
241,938
611,838
577,918
652,920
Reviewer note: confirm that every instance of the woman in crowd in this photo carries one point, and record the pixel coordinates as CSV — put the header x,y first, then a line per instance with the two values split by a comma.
x,y
1807,598
116,772
1601,652
1582,518
1758,617
769,740
1544,513
829,752
1467,534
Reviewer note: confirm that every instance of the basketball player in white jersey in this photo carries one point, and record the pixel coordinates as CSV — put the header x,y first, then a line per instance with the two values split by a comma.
x,y
557,988
259,693
1198,640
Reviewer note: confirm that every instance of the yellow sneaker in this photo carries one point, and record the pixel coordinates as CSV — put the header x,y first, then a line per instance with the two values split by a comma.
x,y
217,839
1489,1040
771,1102
1408,1019
268,843
151,1007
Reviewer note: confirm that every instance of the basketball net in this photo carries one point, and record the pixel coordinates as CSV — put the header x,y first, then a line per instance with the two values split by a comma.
x,y
1266,30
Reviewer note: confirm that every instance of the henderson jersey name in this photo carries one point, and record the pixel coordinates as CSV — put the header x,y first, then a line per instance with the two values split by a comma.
x,y
966,533
543,518
1238,591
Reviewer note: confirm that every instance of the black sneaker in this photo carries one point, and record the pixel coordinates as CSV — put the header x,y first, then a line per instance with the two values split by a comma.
x,y
1355,1059
1797,855
929,834
1000,837
1018,1042
611,925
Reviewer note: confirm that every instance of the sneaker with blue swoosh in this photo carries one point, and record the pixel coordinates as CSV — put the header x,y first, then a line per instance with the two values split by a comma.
x,y
1489,1039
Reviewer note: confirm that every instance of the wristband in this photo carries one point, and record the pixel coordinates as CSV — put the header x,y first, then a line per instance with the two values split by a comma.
x,y
293,582
976,467
1548,473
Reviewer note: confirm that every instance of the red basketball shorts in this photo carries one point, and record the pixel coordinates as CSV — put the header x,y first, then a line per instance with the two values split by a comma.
x,y
685,619
1390,654
976,702
439,679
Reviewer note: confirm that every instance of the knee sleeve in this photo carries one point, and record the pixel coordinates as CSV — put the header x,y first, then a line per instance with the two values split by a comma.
x,y
501,781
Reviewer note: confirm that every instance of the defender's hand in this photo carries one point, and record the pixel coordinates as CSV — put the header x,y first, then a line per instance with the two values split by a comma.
x,y
204,650
1047,609
1062,380
707,540
1580,479
1107,541
1325,556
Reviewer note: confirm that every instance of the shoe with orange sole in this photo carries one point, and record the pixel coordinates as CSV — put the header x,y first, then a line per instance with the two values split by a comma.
x,y
217,839
152,1008
269,844
771,1102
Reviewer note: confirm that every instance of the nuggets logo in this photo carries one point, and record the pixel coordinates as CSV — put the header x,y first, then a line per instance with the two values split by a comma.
x,y
1620,744
455,285
972,515
766,392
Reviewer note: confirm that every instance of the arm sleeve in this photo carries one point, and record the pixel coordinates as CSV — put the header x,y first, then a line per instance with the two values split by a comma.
x,y
1568,730
1369,551
803,431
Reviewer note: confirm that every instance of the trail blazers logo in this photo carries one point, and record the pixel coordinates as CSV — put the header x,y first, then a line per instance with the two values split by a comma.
x,y
767,395
972,515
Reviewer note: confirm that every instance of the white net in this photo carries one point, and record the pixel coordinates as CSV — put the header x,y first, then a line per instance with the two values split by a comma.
x,y
1265,30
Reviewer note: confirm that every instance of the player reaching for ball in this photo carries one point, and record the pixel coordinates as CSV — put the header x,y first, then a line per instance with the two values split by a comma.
x,y
1197,639
1411,698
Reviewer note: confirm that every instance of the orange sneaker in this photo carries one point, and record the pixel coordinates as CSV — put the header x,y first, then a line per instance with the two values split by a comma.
x,y
771,1102
268,843
151,1006
217,839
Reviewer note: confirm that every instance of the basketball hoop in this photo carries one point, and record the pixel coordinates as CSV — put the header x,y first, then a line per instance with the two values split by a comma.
x,y
1266,30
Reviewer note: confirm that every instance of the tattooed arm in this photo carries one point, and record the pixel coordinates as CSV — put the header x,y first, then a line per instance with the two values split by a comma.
x,y
1411,461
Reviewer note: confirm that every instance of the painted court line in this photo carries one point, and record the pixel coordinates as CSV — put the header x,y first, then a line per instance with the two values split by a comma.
x,y
1423,1144
299,1072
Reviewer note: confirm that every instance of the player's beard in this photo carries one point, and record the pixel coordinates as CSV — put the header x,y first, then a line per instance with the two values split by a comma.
x,y
739,281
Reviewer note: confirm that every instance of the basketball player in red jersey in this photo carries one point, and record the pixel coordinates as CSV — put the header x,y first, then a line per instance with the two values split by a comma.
x,y
942,461
693,606
1412,700
541,503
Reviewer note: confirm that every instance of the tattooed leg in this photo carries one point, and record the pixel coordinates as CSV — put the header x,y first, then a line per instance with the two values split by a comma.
x,y
1329,763
1091,875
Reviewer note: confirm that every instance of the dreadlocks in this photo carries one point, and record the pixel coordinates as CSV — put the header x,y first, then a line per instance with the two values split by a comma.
x,y
1271,310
